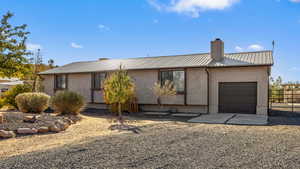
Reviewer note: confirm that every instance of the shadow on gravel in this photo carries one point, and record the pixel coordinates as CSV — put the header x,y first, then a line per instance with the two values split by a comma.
x,y
277,117
103,113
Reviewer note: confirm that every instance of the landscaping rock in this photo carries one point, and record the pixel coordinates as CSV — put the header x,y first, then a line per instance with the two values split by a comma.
x,y
69,121
7,134
1,118
27,131
62,125
43,129
54,128
30,119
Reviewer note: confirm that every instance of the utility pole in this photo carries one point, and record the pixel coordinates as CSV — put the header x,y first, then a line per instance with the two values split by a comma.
x,y
273,45
37,63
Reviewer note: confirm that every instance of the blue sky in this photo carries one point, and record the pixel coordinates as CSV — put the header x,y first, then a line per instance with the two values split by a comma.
x,y
81,30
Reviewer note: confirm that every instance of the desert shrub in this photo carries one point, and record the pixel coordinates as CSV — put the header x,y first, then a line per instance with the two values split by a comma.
x,y
32,102
10,95
67,102
1,102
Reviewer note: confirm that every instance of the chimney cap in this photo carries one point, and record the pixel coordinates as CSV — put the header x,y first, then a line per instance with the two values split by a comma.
x,y
217,39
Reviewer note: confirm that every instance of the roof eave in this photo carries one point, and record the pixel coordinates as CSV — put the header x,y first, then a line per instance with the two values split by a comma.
x,y
227,66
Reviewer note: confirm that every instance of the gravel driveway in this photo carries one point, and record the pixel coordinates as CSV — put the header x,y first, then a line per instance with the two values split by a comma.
x,y
161,144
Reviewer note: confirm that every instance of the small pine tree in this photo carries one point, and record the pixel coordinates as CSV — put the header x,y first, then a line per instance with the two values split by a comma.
x,y
118,89
13,60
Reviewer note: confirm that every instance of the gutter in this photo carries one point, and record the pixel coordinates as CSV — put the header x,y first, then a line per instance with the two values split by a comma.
x,y
207,72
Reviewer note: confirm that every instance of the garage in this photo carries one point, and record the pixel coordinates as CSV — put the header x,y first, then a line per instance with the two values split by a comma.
x,y
238,97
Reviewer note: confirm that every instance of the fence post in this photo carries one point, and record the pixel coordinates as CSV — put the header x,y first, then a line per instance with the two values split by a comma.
x,y
292,100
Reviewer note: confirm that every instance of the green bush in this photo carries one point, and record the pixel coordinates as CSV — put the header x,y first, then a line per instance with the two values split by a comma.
x,y
1,102
32,102
67,102
10,95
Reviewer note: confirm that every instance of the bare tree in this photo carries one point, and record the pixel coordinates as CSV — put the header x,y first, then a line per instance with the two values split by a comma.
x,y
161,90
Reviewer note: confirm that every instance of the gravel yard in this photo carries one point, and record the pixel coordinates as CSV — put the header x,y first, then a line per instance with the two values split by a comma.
x,y
161,144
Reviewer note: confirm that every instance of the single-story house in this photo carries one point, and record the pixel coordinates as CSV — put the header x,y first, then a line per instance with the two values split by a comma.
x,y
212,82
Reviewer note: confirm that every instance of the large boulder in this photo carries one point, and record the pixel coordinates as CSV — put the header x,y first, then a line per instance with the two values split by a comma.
x,y
7,134
27,131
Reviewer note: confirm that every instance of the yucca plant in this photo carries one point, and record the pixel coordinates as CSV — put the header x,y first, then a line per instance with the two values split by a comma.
x,y
118,89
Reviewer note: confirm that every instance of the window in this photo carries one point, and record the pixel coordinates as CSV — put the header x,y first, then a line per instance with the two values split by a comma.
x,y
98,79
61,81
176,76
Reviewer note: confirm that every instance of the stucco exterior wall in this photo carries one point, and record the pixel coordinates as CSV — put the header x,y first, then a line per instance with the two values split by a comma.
x,y
241,74
196,86
98,96
80,83
144,81
48,84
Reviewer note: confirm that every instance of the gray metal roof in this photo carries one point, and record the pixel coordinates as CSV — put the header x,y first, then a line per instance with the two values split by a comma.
x,y
177,61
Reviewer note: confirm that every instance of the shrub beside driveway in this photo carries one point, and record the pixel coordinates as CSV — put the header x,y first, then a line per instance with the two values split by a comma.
x,y
165,144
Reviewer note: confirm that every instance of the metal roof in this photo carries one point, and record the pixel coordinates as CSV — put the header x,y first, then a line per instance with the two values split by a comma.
x,y
159,62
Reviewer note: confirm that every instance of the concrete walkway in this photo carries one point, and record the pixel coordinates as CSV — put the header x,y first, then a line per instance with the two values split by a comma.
x,y
224,118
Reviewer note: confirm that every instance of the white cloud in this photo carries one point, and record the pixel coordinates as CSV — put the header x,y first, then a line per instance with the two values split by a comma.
x,y
256,47
294,69
192,7
296,1
75,45
239,49
155,21
154,3
33,47
103,27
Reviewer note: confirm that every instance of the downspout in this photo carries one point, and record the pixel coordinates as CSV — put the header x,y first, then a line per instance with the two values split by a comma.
x,y
207,72
269,72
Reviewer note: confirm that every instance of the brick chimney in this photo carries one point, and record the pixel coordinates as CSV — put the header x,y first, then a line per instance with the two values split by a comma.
x,y
217,50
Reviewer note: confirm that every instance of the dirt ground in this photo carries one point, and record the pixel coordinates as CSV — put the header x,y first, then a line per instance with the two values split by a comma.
x,y
161,144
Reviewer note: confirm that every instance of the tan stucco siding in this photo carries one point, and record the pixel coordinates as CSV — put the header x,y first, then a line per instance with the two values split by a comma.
x,y
98,96
242,74
48,84
144,81
196,86
80,83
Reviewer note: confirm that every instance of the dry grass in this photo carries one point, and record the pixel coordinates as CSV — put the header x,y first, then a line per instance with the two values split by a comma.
x,y
162,144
